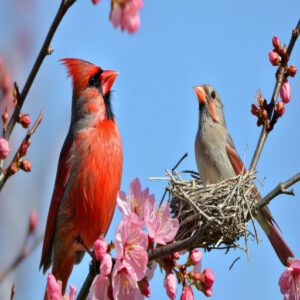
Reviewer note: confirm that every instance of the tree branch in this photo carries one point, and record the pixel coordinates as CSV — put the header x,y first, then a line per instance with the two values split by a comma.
x,y
281,188
280,76
45,50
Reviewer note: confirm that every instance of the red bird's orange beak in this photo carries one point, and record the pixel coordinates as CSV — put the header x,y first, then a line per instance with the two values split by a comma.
x,y
200,92
107,79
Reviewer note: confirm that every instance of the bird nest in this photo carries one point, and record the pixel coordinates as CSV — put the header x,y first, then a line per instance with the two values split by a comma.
x,y
224,209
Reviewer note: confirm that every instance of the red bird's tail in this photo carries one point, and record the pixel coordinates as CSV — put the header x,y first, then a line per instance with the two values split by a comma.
x,y
282,250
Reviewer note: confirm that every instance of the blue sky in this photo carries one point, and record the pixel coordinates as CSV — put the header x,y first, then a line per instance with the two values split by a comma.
x,y
179,45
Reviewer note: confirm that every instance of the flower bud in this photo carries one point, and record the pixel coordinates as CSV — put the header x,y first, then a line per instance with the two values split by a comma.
x,y
4,148
95,1
285,92
276,42
170,285
12,169
187,293
144,287
24,120
32,221
254,110
274,58
5,117
259,122
264,114
291,70
106,265
279,108
23,148
209,278
195,256
208,292
25,165
100,248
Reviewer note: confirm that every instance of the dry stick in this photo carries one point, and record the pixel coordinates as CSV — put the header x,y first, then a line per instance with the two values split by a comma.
x,y
12,292
4,176
280,189
45,50
264,133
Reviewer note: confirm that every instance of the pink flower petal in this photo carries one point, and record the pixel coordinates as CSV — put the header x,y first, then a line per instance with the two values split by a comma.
x,y
4,148
187,293
171,285
53,288
285,92
99,288
106,265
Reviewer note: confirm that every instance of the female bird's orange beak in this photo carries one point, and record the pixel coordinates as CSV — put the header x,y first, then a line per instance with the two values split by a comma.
x,y
107,79
200,92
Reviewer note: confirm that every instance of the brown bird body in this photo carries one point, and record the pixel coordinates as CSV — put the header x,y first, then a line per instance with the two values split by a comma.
x,y
88,174
217,159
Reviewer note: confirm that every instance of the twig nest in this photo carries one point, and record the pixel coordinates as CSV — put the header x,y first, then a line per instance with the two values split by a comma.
x,y
226,206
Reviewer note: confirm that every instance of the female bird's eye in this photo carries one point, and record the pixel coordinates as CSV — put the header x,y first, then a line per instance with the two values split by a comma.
x,y
213,94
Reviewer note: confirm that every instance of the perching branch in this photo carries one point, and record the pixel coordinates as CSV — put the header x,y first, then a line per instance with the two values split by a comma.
x,y
45,50
279,81
281,188
5,174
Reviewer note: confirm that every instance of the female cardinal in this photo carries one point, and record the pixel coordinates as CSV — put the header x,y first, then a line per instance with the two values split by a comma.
x,y
217,159
88,174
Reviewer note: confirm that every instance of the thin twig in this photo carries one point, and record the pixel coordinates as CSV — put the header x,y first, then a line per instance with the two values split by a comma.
x,y
45,50
233,263
281,188
279,80
25,252
4,175
12,292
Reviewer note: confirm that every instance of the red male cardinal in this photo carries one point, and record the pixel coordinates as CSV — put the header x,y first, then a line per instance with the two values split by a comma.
x,y
217,158
88,174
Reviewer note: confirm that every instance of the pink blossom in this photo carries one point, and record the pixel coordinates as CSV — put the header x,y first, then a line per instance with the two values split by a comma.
x,y
125,14
124,281
131,244
195,256
170,285
54,290
100,247
106,265
136,201
274,58
209,278
99,288
289,281
187,293
4,148
161,227
285,91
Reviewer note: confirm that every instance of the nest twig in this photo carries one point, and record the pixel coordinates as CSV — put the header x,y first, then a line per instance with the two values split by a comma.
x,y
228,203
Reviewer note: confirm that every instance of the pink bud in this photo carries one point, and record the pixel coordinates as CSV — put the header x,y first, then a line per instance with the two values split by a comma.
x,y
26,165
106,265
53,289
95,2
279,108
274,58
24,120
254,110
187,293
208,292
285,92
33,218
144,287
100,247
72,293
170,285
23,148
195,256
209,278
291,70
4,148
276,42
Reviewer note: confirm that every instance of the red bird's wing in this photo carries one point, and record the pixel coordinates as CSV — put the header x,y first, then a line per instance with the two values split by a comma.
x,y
62,176
234,158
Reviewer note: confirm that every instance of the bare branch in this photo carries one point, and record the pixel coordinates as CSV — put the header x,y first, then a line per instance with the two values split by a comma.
x,y
279,80
281,188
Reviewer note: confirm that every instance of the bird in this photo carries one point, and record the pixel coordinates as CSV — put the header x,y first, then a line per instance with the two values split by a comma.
x,y
89,172
217,159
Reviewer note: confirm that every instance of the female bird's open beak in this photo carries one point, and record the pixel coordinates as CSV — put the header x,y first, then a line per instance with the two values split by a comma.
x,y
107,79
200,92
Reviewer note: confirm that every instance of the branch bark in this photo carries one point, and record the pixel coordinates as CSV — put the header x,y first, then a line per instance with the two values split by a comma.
x,y
281,188
264,133
45,50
